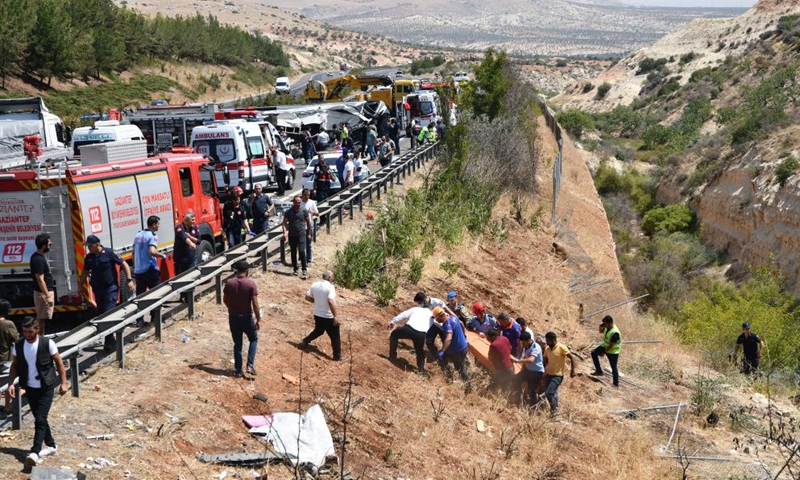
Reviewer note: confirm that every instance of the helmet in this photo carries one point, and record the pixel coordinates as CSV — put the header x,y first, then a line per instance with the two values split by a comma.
x,y
438,312
238,190
478,307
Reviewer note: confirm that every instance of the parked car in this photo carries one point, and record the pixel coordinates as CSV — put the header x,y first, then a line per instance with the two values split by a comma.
x,y
330,159
282,85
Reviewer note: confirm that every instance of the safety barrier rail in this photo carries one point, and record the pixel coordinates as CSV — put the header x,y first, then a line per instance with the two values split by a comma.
x,y
555,128
72,343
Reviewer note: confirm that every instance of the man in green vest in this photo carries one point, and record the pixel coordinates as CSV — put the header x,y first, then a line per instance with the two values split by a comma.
x,y
610,347
422,136
432,132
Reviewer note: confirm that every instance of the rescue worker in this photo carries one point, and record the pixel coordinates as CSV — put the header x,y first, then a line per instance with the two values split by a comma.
x,y
511,330
297,231
415,129
43,283
322,178
610,347
235,221
422,136
456,307
323,295
454,344
187,236
100,265
555,355
752,347
432,132
418,320
145,259
500,357
261,207
482,322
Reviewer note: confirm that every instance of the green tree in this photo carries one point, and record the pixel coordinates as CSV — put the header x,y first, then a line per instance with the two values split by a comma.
x,y
485,96
669,219
575,122
50,49
14,32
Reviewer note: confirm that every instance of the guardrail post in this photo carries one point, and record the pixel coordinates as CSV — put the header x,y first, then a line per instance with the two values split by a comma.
x,y
75,376
361,202
16,411
157,322
378,190
385,187
369,193
341,209
391,179
120,334
351,208
190,301
218,287
283,251
264,257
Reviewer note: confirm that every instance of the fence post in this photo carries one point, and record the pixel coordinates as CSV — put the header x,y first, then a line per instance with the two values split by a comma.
x,y
120,335
264,258
218,287
75,376
157,321
190,301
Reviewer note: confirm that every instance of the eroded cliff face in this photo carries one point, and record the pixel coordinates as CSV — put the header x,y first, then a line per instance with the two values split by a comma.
x,y
746,213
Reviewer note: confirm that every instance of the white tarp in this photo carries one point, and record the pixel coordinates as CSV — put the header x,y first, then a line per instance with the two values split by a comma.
x,y
316,443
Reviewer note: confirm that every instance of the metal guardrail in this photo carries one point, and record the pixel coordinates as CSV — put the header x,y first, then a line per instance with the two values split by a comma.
x,y
552,124
72,343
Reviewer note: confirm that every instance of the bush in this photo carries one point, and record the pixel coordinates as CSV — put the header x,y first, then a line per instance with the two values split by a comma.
x,y
786,169
575,122
669,219
450,267
359,262
588,87
385,288
602,91
415,270
648,65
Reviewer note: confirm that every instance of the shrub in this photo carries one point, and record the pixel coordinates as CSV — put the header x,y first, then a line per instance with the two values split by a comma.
x,y
602,91
669,219
450,267
415,270
587,87
385,288
359,262
648,65
786,169
575,122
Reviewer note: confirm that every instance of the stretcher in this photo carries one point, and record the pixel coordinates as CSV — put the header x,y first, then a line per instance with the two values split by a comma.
x,y
479,347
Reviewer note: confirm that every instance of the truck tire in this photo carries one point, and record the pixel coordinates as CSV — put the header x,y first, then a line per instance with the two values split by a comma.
x,y
204,251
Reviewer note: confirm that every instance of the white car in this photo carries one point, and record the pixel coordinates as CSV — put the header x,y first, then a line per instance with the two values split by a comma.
x,y
282,85
330,159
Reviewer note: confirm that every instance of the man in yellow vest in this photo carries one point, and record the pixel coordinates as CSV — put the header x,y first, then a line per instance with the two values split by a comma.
x,y
610,347
432,132
423,135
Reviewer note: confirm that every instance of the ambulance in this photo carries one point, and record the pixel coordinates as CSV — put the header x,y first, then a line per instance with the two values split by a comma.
x,y
112,201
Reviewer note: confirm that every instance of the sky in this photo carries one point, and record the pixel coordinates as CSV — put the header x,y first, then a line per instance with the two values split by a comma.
x,y
694,3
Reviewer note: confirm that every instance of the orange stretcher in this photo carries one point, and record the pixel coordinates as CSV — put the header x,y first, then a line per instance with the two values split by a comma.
x,y
479,347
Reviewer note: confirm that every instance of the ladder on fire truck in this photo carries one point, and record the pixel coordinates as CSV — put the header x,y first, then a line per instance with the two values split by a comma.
x,y
54,202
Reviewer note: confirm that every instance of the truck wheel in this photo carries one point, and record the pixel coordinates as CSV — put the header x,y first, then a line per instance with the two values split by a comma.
x,y
204,251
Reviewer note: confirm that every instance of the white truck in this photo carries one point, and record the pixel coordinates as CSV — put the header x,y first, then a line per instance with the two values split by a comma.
x,y
22,117
239,151
104,131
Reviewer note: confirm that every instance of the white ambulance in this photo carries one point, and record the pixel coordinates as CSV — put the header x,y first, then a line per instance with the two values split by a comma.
x,y
102,132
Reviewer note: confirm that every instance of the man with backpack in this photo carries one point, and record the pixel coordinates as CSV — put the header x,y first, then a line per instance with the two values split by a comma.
x,y
39,367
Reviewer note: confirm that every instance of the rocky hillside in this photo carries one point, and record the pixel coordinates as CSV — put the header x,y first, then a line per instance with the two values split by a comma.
x,y
715,107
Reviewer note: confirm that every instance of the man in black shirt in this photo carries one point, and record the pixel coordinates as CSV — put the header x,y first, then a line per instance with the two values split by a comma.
x,y
235,220
43,295
261,208
394,134
187,236
322,178
101,263
297,230
752,347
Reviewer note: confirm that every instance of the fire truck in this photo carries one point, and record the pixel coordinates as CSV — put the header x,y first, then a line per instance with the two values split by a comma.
x,y
111,200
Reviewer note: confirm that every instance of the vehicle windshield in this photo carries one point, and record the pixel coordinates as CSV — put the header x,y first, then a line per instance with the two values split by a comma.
x,y
425,108
220,150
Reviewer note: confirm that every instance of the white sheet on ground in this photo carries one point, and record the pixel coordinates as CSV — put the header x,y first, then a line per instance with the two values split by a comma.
x,y
315,444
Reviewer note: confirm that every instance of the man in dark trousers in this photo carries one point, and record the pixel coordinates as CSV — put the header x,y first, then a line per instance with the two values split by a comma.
x,y
187,236
610,347
454,344
297,231
39,367
235,220
322,178
101,266
752,346
8,337
43,294
323,295
146,258
500,356
261,208
240,295
394,134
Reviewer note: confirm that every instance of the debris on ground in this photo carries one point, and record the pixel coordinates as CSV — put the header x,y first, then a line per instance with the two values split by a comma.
x,y
304,439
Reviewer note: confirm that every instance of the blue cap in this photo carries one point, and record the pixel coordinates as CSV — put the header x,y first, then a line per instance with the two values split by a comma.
x,y
746,325
451,294
91,240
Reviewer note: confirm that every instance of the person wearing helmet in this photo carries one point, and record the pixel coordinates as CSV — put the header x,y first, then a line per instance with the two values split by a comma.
x,y
454,344
424,300
482,322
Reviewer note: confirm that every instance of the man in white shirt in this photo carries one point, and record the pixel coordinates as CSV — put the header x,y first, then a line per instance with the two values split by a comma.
x,y
281,168
418,320
349,171
36,361
310,206
359,166
323,295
